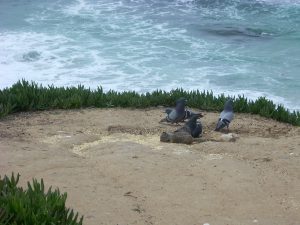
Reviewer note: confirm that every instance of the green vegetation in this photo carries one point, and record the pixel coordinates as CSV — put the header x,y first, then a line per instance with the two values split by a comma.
x,y
26,96
33,206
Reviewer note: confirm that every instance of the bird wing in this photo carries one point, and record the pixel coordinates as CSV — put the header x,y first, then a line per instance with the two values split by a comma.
x,y
172,115
168,111
220,125
227,115
190,113
176,116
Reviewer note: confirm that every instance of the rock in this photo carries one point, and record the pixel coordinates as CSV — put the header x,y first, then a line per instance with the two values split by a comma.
x,y
177,137
231,137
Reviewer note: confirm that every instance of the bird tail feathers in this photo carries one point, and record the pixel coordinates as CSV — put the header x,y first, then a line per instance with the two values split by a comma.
x,y
221,124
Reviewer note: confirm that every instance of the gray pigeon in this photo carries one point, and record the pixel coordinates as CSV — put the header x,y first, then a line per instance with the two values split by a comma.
x,y
226,116
178,114
193,127
189,114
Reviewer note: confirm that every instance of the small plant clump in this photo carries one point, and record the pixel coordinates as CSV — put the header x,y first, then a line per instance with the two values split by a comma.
x,y
33,206
29,96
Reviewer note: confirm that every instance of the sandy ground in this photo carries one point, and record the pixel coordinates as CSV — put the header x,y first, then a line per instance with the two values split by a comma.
x,y
116,171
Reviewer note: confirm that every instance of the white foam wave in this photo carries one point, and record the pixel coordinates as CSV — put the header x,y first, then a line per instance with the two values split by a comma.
x,y
136,45
290,2
54,59
60,61
77,7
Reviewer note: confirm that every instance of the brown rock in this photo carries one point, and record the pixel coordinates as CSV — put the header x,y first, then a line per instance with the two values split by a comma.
x,y
176,137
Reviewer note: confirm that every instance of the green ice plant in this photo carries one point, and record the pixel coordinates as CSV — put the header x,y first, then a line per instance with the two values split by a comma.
x,y
33,206
26,96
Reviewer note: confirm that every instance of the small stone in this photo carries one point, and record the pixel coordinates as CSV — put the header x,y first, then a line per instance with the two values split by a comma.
x,y
231,137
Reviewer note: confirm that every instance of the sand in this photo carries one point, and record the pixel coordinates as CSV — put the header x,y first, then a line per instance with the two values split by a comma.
x,y
116,171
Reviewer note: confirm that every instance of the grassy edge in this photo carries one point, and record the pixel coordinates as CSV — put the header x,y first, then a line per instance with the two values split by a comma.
x,y
29,96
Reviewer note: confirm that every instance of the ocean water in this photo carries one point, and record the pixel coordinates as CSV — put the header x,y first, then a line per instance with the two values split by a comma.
x,y
236,47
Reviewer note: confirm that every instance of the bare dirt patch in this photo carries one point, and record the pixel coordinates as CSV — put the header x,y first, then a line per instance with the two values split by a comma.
x,y
116,171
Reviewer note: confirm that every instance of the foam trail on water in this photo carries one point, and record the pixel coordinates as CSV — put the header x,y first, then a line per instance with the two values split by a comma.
x,y
52,60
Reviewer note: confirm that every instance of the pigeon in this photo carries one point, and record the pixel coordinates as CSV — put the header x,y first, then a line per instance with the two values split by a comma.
x,y
226,116
189,114
180,113
193,127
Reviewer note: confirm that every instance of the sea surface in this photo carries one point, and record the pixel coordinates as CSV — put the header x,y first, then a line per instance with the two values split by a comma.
x,y
236,47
